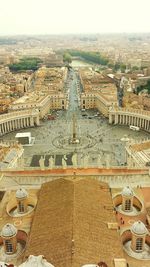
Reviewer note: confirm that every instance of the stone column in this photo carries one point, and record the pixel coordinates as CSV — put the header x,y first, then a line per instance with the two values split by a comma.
x,y
31,121
28,121
123,116
1,130
9,128
121,119
116,118
21,123
37,120
110,118
6,126
13,124
138,122
18,123
143,123
2,127
25,124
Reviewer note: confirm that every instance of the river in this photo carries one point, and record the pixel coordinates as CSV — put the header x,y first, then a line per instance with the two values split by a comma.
x,y
80,63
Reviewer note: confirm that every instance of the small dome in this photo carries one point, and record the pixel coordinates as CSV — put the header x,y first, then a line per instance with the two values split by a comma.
x,y
127,192
8,230
139,228
21,193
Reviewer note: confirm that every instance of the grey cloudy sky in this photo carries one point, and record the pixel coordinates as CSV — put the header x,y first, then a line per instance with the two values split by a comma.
x,y
73,16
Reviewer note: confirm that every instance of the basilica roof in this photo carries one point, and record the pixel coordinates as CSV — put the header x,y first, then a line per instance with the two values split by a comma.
x,y
70,224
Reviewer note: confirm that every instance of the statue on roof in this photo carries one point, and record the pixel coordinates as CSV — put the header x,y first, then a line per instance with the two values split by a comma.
x,y
64,162
51,162
74,160
41,162
38,261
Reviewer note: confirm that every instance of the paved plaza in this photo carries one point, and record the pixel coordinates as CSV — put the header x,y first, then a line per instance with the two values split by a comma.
x,y
100,144
103,142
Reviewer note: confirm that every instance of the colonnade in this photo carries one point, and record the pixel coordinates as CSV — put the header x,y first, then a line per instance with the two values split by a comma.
x,y
128,116
18,120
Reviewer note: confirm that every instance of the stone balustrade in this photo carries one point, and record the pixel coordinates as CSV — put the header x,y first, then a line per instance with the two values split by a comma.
x,y
17,120
129,116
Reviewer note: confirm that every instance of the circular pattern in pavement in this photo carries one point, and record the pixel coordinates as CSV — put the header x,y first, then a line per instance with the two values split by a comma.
x,y
64,142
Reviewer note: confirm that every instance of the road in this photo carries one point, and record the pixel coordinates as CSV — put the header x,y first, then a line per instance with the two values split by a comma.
x,y
73,106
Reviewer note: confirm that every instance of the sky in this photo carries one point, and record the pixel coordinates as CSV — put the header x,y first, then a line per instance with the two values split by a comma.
x,y
73,16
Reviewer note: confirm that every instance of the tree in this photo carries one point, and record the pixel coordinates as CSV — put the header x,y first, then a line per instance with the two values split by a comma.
x,y
135,68
110,65
67,58
123,67
94,57
142,87
26,63
116,66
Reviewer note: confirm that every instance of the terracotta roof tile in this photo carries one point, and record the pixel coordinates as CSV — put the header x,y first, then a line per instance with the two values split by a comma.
x,y
70,224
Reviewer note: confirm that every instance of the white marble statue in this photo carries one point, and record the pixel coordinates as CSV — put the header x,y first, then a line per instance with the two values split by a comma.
x,y
36,261
74,160
64,162
51,162
41,163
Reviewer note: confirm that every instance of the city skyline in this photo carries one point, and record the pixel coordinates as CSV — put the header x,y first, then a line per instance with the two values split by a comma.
x,y
74,17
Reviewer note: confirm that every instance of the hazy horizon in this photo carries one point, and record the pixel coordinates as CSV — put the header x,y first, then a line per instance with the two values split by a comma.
x,y
73,34
61,17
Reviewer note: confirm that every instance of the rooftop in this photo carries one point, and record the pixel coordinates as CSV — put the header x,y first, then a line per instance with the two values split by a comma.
x,y
8,153
141,146
72,218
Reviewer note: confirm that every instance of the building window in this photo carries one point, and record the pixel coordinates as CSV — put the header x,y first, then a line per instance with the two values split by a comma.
x,y
21,207
62,102
139,243
83,102
9,247
128,204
